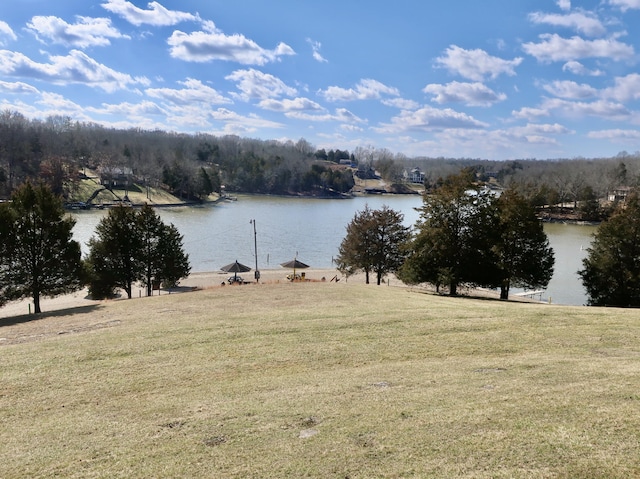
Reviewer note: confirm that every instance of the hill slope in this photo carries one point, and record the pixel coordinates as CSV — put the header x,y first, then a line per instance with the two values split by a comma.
x,y
321,380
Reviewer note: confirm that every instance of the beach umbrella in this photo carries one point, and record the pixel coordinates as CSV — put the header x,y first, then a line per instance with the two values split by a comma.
x,y
235,268
295,264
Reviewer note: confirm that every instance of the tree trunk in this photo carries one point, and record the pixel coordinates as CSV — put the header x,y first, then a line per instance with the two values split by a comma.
x,y
453,288
36,303
149,284
504,290
366,276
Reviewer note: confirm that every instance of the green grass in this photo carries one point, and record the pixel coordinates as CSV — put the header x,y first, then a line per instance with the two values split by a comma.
x,y
321,380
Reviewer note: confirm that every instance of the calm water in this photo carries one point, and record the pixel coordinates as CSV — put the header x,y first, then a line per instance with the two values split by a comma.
x,y
312,229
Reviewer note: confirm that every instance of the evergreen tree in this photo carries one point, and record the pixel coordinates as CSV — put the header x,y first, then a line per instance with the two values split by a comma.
x,y
162,255
149,226
113,257
38,256
135,247
175,262
204,185
611,273
524,256
374,243
454,236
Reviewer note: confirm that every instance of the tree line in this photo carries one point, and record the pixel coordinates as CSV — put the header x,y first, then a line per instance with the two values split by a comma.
x,y
39,258
466,235
469,236
189,166
192,165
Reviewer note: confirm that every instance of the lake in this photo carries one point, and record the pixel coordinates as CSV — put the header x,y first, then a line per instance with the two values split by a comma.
x,y
312,229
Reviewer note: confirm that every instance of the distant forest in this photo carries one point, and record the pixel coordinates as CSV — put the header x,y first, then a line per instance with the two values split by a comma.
x,y
190,166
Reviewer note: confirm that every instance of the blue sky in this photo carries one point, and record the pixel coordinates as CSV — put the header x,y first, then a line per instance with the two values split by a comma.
x,y
495,79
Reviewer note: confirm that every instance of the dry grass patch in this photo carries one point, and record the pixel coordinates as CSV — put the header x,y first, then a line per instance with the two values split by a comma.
x,y
322,380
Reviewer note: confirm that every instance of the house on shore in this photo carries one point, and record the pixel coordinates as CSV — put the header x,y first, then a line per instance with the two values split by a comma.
x,y
619,194
414,176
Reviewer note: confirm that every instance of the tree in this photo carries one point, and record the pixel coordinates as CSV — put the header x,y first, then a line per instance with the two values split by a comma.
x,y
611,273
175,262
454,236
161,255
374,243
524,256
113,252
149,227
135,247
38,256
204,186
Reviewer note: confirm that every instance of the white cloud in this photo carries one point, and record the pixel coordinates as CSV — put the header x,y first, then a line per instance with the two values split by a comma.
x,y
625,89
235,124
615,135
471,94
578,68
256,84
56,104
564,4
586,23
570,90
194,92
86,32
285,106
206,46
476,65
541,129
366,89
157,15
341,115
6,33
527,113
401,103
626,4
600,109
18,88
131,110
315,46
429,119
76,68
553,47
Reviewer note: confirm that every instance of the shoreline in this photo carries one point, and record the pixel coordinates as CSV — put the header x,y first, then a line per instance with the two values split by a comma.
x,y
194,282
207,280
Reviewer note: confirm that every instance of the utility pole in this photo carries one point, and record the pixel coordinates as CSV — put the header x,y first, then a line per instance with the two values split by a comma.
x,y
255,245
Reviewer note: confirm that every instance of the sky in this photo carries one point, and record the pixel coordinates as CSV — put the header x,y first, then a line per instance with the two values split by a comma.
x,y
491,79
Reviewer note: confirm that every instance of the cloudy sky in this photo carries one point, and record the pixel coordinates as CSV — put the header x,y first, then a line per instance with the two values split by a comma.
x,y
494,79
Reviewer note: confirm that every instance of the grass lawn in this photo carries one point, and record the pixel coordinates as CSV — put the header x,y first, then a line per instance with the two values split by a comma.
x,y
321,380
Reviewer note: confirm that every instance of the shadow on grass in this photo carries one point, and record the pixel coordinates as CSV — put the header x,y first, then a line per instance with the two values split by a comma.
x,y
26,318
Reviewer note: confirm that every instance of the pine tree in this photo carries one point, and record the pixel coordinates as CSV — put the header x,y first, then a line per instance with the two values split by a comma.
x,y
135,246
39,258
611,273
113,252
523,253
452,245
175,262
